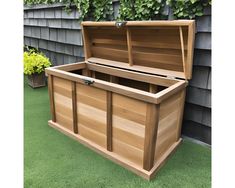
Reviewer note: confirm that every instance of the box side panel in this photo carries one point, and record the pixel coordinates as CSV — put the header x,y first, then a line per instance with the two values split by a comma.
x,y
91,113
129,116
169,124
63,102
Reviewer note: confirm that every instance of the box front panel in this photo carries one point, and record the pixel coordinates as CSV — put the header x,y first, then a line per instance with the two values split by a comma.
x,y
129,116
63,102
91,113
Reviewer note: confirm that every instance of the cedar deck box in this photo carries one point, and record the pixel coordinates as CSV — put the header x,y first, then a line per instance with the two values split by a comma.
x,y
126,100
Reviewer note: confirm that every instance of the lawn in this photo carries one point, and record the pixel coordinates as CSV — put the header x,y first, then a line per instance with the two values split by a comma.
x,y
53,160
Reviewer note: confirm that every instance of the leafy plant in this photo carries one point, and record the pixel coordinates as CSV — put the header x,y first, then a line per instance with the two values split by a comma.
x,y
188,8
141,9
35,62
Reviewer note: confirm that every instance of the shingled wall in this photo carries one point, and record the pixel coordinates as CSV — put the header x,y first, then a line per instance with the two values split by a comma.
x,y
58,35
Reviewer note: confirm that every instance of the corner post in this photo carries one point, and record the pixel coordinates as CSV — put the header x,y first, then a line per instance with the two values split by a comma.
x,y
151,129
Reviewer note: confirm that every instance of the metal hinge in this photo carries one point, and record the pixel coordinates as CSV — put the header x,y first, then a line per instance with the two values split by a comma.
x,y
120,24
88,81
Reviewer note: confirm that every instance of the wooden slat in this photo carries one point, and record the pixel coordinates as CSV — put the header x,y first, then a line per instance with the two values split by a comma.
x,y
62,109
128,126
88,121
174,60
91,101
62,90
129,114
155,71
74,107
127,151
110,53
129,44
64,121
182,47
51,96
132,75
97,114
109,121
111,41
151,128
128,138
92,135
172,103
129,103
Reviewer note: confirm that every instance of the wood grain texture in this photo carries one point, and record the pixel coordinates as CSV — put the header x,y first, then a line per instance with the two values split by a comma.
x,y
180,115
182,48
87,44
63,102
156,71
51,96
132,75
151,129
92,113
129,44
74,107
109,120
115,157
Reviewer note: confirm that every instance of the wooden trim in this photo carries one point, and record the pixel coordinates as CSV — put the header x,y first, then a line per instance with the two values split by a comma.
x,y
74,107
166,93
87,44
158,80
51,96
151,128
71,67
142,23
190,50
109,121
129,45
181,113
123,90
116,158
182,48
139,68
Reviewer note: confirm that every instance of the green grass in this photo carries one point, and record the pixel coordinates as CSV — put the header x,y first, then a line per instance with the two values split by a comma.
x,y
53,160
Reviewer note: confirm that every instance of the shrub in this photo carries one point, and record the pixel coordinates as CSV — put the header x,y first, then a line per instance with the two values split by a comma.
x,y
35,62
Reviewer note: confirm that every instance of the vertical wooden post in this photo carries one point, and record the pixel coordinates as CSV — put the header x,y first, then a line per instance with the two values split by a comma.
x,y
129,46
74,106
182,48
153,88
180,115
51,96
151,128
109,120
87,43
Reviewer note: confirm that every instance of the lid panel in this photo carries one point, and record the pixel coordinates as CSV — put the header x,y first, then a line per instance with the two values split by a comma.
x,y
108,43
158,45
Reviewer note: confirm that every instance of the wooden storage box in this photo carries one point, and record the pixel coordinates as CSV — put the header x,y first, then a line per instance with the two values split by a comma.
x,y
126,100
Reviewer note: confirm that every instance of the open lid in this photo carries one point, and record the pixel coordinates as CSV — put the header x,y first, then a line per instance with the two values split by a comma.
x,y
157,47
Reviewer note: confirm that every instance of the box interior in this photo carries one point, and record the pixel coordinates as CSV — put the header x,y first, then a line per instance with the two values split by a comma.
x,y
122,81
